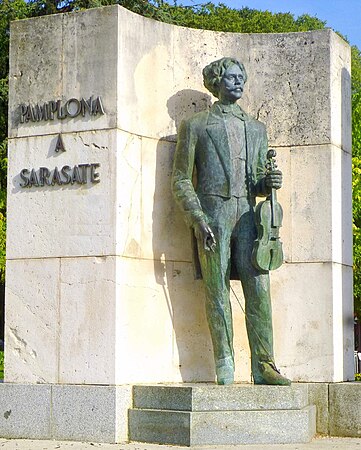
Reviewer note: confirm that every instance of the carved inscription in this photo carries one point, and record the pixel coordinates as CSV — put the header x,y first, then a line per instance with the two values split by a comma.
x,y
79,174
59,110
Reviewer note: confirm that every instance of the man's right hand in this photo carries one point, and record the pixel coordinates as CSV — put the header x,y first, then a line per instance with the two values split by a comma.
x,y
205,235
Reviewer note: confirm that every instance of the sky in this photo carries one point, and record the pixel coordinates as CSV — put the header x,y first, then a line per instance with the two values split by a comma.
x,y
341,15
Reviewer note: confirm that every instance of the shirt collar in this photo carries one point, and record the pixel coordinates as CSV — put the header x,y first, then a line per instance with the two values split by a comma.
x,y
233,109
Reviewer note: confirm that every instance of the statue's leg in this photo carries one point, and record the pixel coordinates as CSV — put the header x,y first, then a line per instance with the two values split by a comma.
x,y
256,289
215,268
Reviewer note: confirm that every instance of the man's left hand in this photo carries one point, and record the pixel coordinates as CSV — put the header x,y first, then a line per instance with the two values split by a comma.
x,y
273,179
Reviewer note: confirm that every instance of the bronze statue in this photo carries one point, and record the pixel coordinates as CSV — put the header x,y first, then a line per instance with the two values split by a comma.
x,y
228,149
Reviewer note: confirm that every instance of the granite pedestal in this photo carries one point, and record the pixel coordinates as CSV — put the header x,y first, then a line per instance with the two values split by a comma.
x,y
221,415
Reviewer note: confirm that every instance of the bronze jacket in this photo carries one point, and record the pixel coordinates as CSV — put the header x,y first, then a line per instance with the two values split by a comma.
x,y
202,162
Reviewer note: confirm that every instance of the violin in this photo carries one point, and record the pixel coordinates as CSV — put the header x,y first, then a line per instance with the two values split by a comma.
x,y
267,251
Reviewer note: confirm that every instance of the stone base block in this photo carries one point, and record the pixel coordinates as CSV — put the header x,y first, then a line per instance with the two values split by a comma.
x,y
221,415
64,412
222,427
210,397
345,410
25,411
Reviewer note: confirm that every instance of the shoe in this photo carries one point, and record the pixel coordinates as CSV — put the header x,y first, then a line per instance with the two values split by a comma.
x,y
270,375
225,373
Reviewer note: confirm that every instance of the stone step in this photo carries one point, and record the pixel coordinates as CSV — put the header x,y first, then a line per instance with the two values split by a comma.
x,y
222,427
207,414
210,397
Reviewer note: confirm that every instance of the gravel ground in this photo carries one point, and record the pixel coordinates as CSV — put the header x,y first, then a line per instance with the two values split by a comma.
x,y
316,444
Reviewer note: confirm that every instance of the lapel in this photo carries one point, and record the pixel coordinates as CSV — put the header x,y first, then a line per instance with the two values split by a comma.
x,y
251,138
216,129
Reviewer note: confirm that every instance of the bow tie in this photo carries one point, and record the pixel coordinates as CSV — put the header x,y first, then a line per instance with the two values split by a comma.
x,y
234,109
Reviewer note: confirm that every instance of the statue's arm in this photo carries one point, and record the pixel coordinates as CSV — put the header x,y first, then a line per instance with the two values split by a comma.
x,y
182,186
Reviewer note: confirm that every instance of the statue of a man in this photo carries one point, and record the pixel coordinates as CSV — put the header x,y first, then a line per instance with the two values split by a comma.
x,y
227,149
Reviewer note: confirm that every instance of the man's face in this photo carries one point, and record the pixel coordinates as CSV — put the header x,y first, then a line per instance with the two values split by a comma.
x,y
231,85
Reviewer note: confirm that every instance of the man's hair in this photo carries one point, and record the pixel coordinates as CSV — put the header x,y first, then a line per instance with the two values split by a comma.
x,y
213,73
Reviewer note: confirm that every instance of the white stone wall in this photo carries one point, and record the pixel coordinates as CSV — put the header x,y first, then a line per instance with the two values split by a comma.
x,y
100,287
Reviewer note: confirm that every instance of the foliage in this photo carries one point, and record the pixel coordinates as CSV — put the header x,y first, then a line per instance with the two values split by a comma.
x,y
245,20
355,69
1,365
9,10
204,16
357,376
356,189
356,173
150,8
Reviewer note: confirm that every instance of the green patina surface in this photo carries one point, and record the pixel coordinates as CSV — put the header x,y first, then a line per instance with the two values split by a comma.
x,y
229,150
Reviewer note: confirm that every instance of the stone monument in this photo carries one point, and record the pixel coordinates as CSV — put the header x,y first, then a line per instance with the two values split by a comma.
x,y
100,292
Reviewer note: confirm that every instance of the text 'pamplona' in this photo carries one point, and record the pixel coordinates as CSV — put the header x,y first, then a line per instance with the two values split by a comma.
x,y
56,109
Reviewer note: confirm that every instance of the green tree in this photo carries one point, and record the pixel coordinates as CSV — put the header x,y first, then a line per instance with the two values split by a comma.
x,y
356,175
9,10
245,20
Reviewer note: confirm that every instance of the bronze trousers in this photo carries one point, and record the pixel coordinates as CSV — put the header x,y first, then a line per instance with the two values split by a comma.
x,y
232,222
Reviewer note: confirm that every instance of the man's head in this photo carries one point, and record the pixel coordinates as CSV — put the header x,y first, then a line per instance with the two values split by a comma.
x,y
214,77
